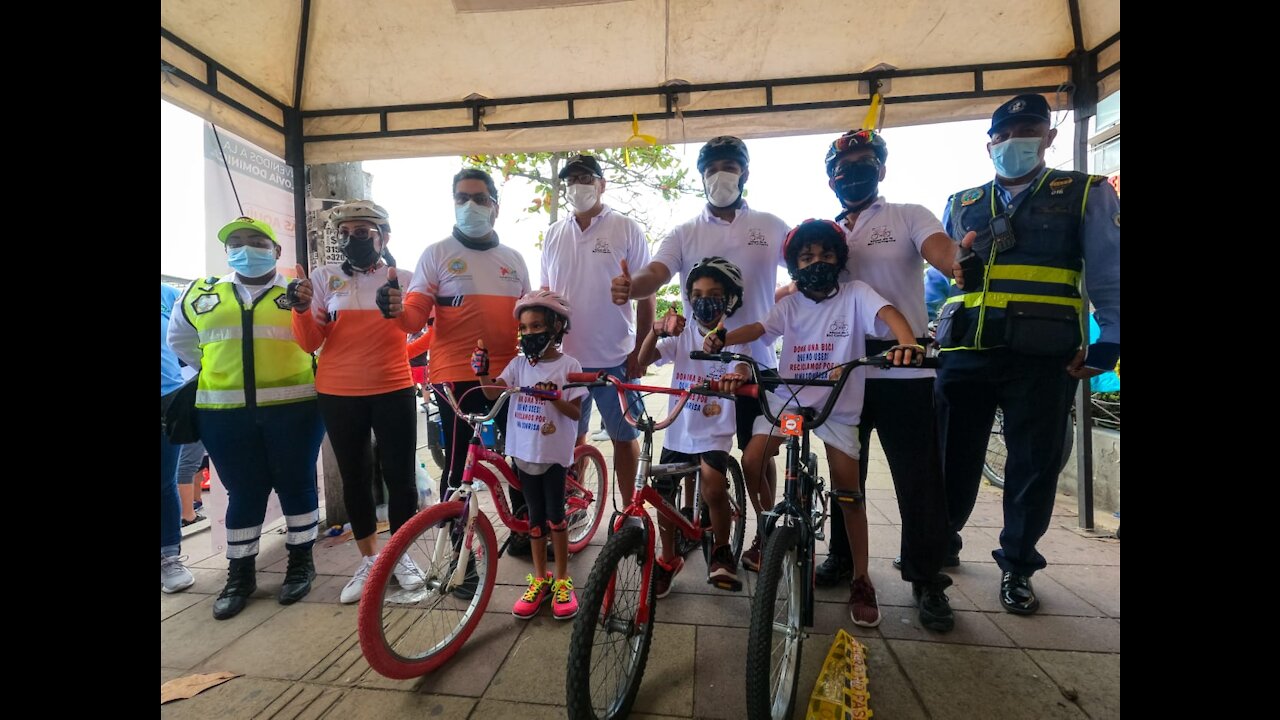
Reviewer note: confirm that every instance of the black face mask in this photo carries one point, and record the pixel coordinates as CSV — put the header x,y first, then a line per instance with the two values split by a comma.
x,y
857,184
361,253
533,345
707,310
818,278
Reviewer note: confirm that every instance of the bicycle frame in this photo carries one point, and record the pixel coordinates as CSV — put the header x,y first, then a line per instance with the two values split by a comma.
x,y
477,453
802,505
635,513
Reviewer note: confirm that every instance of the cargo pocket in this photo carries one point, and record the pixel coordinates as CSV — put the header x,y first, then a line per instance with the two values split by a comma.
x,y
1033,328
952,325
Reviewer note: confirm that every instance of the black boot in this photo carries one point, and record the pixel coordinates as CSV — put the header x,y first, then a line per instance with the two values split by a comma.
x,y
833,570
241,582
933,603
298,575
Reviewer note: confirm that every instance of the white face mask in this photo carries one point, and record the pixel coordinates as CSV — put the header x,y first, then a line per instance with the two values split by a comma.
x,y
582,197
722,188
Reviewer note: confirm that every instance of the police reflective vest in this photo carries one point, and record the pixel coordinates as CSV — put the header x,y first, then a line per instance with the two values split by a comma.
x,y
272,367
1029,299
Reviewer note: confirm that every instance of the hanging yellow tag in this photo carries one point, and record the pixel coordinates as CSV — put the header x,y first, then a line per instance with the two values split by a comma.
x,y
635,135
873,113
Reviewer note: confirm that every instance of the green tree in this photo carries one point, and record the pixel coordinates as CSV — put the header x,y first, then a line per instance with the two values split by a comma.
x,y
669,296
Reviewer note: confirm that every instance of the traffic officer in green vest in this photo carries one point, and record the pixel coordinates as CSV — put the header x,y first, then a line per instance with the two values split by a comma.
x,y
256,406
1010,331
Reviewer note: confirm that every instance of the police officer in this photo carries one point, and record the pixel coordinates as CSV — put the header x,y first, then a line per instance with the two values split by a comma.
x,y
1010,332
256,407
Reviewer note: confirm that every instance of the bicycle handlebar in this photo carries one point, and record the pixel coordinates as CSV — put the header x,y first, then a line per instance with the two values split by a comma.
x,y
507,392
601,379
881,361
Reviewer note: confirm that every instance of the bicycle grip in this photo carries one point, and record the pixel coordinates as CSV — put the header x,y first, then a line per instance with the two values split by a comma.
x,y
750,390
539,393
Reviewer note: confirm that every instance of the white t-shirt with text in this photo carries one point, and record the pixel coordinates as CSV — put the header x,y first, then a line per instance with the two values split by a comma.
x,y
884,252
706,423
817,336
536,431
580,265
753,242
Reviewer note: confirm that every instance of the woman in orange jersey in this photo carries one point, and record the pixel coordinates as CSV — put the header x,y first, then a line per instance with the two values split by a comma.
x,y
362,381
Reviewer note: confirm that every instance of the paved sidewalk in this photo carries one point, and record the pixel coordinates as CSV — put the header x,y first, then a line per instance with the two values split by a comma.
x,y
304,661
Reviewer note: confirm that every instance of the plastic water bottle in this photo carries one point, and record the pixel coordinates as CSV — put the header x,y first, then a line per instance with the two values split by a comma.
x,y
423,480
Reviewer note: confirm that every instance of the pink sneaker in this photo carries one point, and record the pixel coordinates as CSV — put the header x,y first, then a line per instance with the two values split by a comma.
x,y
529,603
564,603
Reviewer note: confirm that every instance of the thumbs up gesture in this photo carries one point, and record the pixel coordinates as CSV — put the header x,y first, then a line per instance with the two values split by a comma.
x,y
390,299
620,288
669,325
299,290
714,340
967,267
480,359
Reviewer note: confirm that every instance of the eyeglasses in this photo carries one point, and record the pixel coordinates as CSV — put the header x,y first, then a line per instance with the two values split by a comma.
x,y
360,234
580,179
481,199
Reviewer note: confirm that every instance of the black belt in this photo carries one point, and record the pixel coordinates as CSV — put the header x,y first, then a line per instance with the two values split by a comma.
x,y
875,347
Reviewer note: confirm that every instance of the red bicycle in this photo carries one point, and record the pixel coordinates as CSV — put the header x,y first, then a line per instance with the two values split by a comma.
x,y
614,626
409,631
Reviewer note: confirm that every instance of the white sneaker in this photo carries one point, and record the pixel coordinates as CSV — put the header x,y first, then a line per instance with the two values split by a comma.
x,y
174,576
600,435
408,574
351,592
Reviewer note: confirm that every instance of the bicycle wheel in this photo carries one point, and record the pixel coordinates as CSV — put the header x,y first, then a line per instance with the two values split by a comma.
x,y
997,453
590,472
738,513
407,632
774,640
684,545
608,650
435,436
993,467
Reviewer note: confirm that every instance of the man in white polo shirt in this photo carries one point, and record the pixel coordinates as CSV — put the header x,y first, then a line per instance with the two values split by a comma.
x,y
580,256
748,238
886,244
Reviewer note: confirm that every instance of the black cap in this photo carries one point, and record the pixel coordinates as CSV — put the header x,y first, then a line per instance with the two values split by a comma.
x,y
580,163
1030,106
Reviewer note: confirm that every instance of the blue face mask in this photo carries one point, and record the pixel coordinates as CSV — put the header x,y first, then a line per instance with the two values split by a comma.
x,y
473,220
1016,157
251,261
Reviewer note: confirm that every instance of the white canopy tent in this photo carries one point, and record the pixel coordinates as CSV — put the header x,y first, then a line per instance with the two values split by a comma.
x,y
407,78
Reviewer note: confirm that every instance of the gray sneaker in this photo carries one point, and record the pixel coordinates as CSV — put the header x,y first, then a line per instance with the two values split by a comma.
x,y
174,576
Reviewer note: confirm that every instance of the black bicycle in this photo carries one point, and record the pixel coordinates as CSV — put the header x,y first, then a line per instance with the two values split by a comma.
x,y
783,605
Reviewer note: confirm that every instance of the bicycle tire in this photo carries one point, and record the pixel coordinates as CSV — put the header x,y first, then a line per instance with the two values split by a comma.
x,y
625,550
588,463
737,506
993,465
435,437
997,452
386,625
766,697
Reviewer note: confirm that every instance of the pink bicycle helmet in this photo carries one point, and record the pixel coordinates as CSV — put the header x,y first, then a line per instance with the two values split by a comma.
x,y
548,299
